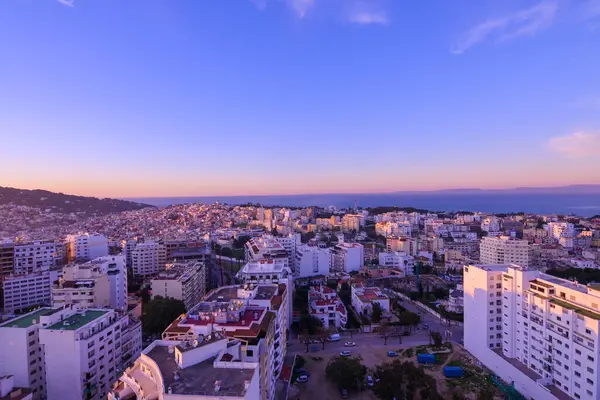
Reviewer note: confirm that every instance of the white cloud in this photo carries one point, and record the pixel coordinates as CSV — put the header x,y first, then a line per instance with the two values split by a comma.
x,y
362,12
578,144
525,22
68,3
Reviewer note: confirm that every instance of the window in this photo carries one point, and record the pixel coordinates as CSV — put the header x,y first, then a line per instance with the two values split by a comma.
x,y
588,331
590,358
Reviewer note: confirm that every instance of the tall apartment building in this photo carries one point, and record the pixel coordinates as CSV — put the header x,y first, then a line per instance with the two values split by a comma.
x,y
351,222
66,353
175,248
148,258
268,247
405,244
98,283
347,257
181,281
23,291
490,224
560,229
86,246
7,258
535,330
128,246
39,255
253,315
504,250
311,261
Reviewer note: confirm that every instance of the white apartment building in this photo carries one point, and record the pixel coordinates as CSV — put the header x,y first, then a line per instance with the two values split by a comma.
x,y
389,228
535,330
148,258
504,250
39,255
311,261
87,246
181,281
560,229
20,292
324,303
210,368
351,222
128,246
100,283
67,353
399,260
347,257
8,390
490,224
407,245
364,297
268,247
252,313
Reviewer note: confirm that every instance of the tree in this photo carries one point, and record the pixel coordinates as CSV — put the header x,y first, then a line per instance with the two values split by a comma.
x,y
158,314
310,324
346,372
376,312
402,381
410,319
385,332
227,252
437,339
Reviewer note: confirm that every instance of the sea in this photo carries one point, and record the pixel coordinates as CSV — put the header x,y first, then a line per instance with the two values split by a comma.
x,y
585,205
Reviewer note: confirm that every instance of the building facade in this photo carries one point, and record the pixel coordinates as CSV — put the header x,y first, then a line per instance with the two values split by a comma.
x,y
86,246
311,261
181,281
505,250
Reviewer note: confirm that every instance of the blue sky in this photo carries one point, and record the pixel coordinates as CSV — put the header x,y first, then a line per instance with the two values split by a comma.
x,y
202,97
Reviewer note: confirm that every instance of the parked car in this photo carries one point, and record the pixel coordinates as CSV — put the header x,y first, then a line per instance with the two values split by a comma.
x,y
349,344
346,353
392,353
335,337
344,393
370,381
302,379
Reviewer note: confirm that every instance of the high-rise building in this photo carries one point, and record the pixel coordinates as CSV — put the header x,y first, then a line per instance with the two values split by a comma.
x,y
86,246
67,353
7,258
504,250
181,281
311,261
535,330
24,291
347,257
98,283
268,247
148,258
39,255
128,246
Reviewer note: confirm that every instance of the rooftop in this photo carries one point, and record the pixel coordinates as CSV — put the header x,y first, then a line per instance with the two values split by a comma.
x,y
200,379
578,309
78,320
26,320
265,292
223,294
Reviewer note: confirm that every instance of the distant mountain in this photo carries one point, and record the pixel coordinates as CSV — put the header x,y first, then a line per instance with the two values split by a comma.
x,y
65,203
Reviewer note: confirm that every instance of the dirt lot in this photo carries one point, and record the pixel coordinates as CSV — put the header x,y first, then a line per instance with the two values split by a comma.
x,y
318,387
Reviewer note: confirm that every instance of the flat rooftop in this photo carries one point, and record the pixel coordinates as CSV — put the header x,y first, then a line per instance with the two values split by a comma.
x,y
200,379
265,266
265,292
223,294
77,320
26,320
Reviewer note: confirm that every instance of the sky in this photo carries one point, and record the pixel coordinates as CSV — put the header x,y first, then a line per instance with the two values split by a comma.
x,y
136,98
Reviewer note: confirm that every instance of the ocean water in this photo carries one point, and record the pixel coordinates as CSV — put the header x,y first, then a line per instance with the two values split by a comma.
x,y
585,205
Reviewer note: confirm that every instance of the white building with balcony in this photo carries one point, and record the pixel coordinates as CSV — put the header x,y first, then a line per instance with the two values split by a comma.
x,y
347,257
23,291
68,353
87,246
535,330
268,247
324,303
399,260
148,258
36,256
100,283
181,281
311,261
504,250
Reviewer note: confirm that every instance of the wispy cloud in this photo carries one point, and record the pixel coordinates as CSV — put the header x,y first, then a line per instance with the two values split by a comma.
x,y
363,12
68,3
575,145
525,22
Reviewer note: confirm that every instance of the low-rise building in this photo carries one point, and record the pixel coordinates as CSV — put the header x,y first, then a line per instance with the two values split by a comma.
x,y
181,281
324,303
364,297
398,260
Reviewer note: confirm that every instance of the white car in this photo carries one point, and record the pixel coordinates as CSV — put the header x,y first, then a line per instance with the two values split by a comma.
x,y
345,353
349,344
302,379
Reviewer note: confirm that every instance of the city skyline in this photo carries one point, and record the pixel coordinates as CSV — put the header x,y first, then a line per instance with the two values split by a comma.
x,y
258,97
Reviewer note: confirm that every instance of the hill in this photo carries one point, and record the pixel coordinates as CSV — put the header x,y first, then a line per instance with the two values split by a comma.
x,y
65,203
